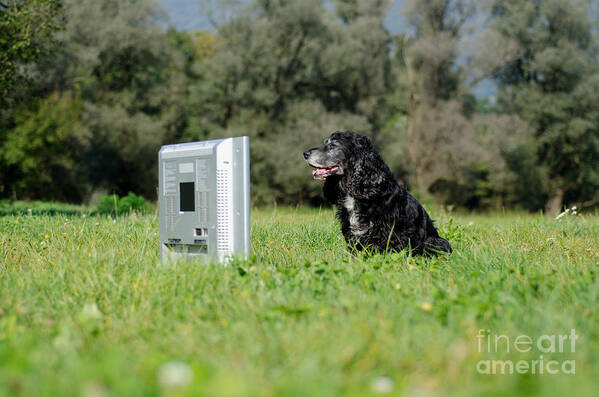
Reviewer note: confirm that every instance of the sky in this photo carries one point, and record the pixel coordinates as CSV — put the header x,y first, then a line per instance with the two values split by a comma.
x,y
185,14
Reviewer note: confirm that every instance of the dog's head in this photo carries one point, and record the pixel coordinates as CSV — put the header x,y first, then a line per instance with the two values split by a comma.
x,y
339,154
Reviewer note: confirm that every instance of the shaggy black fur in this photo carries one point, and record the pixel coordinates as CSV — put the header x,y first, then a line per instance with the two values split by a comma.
x,y
375,211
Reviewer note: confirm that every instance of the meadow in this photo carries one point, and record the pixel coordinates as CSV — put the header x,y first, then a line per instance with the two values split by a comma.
x,y
86,308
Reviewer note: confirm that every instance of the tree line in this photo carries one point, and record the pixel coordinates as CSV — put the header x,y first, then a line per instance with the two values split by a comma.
x,y
91,89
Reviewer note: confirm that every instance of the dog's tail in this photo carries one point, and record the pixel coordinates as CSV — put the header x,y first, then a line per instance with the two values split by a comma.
x,y
435,245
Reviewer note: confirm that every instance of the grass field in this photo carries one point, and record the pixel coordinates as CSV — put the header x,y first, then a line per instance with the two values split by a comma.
x,y
87,309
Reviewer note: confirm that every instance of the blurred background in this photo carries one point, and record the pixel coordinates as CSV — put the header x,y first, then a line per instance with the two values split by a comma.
x,y
475,104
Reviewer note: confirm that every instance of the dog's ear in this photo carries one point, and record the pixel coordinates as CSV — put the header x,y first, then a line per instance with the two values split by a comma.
x,y
363,143
366,170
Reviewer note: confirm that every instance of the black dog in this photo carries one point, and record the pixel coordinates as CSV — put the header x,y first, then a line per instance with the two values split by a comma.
x,y
375,211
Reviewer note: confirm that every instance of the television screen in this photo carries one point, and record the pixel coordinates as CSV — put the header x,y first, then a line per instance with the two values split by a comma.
x,y
187,200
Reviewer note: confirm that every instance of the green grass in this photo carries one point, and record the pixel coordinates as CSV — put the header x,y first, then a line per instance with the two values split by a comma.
x,y
86,308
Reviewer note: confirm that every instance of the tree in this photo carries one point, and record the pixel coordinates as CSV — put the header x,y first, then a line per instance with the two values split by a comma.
x,y
288,74
132,85
113,57
43,152
26,30
552,82
440,144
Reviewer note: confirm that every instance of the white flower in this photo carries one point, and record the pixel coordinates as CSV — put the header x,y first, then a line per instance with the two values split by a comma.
x,y
382,385
563,213
571,211
64,342
90,311
174,374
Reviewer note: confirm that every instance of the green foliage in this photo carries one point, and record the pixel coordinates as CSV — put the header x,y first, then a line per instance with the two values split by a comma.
x,y
43,151
86,307
553,84
114,60
441,148
115,205
26,30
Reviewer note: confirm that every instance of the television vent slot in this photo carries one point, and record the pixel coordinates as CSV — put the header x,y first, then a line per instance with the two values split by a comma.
x,y
171,213
223,209
169,178
203,204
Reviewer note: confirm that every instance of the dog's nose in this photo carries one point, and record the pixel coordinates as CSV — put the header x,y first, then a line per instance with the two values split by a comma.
x,y
307,154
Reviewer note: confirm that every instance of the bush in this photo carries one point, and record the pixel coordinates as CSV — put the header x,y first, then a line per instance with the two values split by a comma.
x,y
114,205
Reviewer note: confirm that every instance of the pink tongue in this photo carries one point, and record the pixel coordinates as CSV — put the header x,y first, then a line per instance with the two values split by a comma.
x,y
319,171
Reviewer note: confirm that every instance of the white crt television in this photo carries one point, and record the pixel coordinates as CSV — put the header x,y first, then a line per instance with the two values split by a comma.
x,y
204,200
